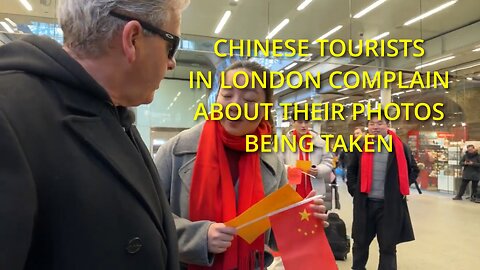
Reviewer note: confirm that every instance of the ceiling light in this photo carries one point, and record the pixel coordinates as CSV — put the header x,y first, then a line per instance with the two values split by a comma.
x,y
342,90
371,91
431,12
291,65
470,78
304,4
26,4
467,67
11,22
382,35
223,21
301,102
338,27
368,9
7,27
476,50
411,90
435,62
338,99
277,29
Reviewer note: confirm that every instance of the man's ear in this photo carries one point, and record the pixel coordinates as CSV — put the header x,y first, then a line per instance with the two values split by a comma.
x,y
131,34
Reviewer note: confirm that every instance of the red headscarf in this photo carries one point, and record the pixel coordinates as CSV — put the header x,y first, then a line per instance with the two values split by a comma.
x,y
366,172
212,191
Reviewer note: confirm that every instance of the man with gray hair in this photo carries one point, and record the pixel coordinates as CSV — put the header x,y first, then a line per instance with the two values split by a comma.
x,y
78,188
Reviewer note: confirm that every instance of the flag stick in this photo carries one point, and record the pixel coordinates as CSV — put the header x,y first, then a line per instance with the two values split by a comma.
x,y
280,210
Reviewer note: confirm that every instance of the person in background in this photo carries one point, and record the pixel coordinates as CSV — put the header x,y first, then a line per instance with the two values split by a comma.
x,y
78,188
209,179
320,158
379,183
471,172
341,164
358,131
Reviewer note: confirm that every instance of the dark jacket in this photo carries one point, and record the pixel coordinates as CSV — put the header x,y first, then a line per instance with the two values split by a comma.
x,y
471,171
75,193
397,218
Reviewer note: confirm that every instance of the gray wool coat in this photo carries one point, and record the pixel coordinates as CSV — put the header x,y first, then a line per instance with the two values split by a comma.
x,y
175,162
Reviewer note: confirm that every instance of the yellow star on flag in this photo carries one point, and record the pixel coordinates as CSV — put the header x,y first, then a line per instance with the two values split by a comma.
x,y
304,215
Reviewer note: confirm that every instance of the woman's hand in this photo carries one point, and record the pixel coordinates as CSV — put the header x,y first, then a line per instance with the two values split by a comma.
x,y
313,171
219,237
318,208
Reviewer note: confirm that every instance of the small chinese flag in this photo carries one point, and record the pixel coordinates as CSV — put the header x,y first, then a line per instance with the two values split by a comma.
x,y
301,240
253,222
294,176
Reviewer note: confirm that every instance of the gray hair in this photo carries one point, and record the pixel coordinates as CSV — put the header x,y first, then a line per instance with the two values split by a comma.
x,y
88,29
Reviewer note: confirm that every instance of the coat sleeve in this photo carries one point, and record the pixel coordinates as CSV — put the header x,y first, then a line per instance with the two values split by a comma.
x,y
352,172
414,170
18,200
192,241
476,162
192,236
326,165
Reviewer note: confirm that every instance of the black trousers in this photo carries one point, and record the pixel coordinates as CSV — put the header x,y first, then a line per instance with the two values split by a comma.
x,y
464,185
375,226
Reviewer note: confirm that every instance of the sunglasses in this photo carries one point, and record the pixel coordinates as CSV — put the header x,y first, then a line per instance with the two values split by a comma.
x,y
170,38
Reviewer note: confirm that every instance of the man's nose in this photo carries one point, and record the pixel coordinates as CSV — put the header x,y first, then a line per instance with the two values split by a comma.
x,y
172,63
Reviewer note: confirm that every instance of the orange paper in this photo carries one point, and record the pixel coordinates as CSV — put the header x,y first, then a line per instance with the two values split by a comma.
x,y
304,165
281,198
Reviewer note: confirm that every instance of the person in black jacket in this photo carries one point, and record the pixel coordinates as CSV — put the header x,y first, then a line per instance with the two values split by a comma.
x,y
379,183
78,188
471,172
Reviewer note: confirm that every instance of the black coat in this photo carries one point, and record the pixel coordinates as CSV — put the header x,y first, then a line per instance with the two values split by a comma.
x,y
75,193
471,171
396,210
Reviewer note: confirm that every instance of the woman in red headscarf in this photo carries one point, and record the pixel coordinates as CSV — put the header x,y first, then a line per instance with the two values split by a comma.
x,y
210,179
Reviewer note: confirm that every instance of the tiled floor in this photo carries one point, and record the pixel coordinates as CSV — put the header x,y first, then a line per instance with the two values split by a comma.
x,y
447,234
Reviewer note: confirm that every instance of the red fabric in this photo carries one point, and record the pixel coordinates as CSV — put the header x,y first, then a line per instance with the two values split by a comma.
x,y
302,242
294,175
212,192
305,185
366,172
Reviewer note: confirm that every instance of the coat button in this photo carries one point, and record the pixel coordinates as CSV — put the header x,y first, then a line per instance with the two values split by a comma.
x,y
134,245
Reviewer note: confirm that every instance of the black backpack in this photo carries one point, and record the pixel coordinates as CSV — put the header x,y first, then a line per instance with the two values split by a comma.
x,y
337,237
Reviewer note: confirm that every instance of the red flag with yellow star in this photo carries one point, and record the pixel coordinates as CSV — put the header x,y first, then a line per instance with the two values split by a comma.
x,y
301,240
